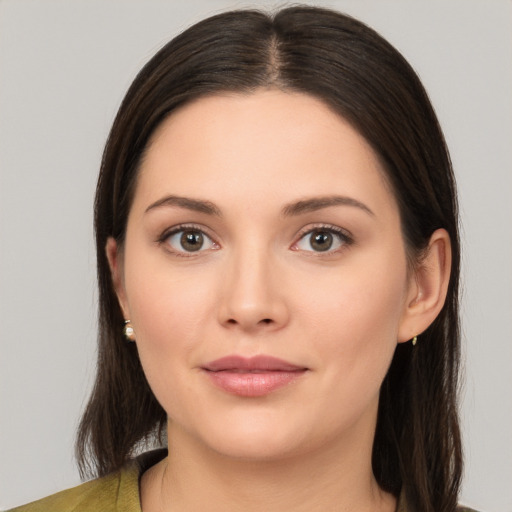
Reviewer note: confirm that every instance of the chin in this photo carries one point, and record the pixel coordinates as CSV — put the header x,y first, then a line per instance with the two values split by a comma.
x,y
253,438
262,448
273,446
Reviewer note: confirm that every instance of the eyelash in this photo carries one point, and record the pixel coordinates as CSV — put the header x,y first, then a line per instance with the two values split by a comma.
x,y
343,236
162,239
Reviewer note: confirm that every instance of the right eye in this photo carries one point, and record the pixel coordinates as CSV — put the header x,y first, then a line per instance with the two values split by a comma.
x,y
188,240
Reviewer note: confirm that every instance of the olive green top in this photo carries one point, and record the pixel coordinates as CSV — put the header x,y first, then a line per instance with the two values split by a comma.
x,y
116,492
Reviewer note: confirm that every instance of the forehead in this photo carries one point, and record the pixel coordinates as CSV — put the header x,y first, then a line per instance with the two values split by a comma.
x,y
268,143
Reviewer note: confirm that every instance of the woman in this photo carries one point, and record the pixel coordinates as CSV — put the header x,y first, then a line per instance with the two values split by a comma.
x,y
278,262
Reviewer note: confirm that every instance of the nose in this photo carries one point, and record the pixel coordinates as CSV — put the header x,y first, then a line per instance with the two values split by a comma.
x,y
254,294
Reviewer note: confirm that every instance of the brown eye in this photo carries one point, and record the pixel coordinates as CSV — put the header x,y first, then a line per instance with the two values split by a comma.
x,y
187,240
191,240
321,241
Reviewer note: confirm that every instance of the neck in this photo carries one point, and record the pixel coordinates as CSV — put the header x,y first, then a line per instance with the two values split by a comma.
x,y
194,477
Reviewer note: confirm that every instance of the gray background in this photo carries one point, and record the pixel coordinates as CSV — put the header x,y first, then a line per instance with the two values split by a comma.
x,y
64,66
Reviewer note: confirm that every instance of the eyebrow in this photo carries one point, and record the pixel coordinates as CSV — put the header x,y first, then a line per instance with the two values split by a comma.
x,y
197,205
291,209
318,203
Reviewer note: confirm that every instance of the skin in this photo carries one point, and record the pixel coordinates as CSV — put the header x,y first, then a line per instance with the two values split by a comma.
x,y
259,286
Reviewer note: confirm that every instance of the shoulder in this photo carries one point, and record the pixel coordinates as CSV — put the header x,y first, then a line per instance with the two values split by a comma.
x,y
465,509
100,494
116,492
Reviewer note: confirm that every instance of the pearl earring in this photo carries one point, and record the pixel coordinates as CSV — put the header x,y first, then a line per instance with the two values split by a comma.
x,y
128,331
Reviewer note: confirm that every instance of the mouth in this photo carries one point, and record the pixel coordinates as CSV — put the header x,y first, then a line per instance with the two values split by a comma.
x,y
252,377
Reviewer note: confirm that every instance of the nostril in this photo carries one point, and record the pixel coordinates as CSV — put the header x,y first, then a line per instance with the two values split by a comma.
x,y
263,321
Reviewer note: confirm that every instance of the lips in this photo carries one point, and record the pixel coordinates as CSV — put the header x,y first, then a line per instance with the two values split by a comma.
x,y
252,377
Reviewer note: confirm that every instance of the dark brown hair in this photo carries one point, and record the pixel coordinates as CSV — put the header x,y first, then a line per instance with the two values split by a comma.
x,y
346,64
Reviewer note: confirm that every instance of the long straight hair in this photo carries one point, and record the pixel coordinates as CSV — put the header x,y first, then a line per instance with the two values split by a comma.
x,y
333,57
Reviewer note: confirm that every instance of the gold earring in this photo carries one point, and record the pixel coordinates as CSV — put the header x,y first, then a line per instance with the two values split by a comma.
x,y
414,340
128,331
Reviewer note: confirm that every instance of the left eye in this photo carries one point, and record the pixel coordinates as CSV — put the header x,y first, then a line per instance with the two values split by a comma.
x,y
322,240
189,240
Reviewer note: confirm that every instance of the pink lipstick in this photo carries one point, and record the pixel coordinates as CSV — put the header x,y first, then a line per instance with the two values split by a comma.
x,y
252,377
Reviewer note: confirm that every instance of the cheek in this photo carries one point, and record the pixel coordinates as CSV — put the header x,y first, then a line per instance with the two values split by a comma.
x,y
356,310
169,309
371,287
169,315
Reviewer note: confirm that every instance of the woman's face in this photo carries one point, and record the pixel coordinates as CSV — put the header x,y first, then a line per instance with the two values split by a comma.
x,y
262,225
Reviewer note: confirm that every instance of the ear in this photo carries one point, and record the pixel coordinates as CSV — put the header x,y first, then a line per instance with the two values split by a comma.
x,y
115,261
428,287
